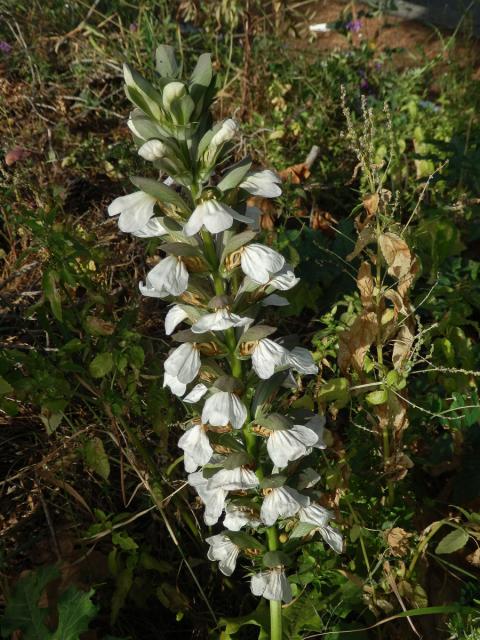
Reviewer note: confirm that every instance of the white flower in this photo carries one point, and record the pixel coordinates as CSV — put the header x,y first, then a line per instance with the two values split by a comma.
x,y
262,183
168,277
215,216
196,446
177,388
219,321
290,444
184,362
227,132
282,502
301,360
214,501
272,585
224,408
318,516
153,229
260,262
198,391
174,316
284,279
237,516
135,210
238,479
153,150
225,551
267,355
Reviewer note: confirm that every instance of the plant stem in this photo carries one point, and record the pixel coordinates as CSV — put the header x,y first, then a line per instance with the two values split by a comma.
x,y
275,605
385,430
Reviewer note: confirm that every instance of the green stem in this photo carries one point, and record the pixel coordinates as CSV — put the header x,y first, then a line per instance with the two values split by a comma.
x,y
275,605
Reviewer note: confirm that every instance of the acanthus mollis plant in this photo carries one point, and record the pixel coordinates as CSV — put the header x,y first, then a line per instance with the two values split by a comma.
x,y
244,447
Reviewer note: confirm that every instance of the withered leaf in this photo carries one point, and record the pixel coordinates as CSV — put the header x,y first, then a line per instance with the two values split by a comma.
x,y
398,541
406,281
398,303
366,285
355,342
370,202
397,466
365,237
396,253
403,344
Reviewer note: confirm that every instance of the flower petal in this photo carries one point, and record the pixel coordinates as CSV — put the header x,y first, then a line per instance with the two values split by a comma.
x,y
184,362
135,210
267,356
260,262
196,445
198,391
153,229
177,388
262,183
174,316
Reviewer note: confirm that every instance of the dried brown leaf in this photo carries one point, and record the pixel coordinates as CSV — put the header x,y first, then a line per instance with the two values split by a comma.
x,y
397,466
398,303
365,237
371,203
407,280
396,253
403,344
366,285
474,558
355,342
398,541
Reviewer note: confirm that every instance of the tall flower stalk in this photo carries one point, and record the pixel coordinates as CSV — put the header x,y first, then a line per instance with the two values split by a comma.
x,y
245,449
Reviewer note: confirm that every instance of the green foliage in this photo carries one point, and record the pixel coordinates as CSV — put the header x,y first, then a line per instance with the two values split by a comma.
x,y
23,613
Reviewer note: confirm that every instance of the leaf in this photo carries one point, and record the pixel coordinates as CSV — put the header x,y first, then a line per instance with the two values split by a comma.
x,y
96,458
396,253
52,293
365,237
235,176
166,63
377,397
98,327
203,73
5,386
22,611
371,202
101,365
123,584
354,343
243,540
302,529
452,542
160,191
336,390
402,345
142,93
366,285
75,611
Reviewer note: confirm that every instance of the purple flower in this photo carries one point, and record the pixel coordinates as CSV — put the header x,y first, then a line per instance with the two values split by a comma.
x,y
5,47
364,84
354,26
133,27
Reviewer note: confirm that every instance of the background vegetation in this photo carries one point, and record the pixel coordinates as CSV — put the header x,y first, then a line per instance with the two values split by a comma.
x,y
95,516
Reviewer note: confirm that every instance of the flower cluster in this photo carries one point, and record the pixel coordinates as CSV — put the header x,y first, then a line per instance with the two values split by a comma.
x,y
244,460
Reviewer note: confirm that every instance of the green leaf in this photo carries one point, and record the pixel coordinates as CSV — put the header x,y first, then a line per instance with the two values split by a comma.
x,y
52,293
160,191
75,611
377,397
243,540
453,541
22,611
142,93
336,390
5,387
167,65
235,176
96,458
302,529
202,74
101,365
